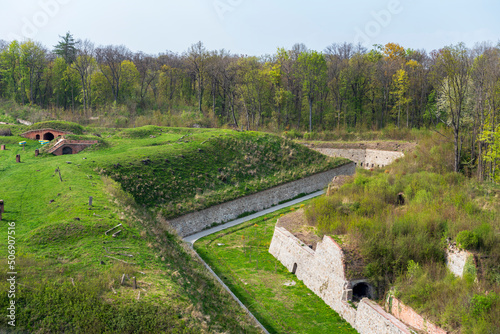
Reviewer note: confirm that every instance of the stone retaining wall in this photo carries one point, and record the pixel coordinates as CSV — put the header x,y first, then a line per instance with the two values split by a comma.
x,y
456,259
364,158
323,271
198,221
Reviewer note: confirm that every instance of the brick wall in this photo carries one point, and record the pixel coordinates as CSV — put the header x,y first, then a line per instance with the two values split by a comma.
x,y
407,315
197,221
40,133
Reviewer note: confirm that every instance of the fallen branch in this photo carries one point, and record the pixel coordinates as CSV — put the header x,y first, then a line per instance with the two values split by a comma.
x,y
114,258
106,233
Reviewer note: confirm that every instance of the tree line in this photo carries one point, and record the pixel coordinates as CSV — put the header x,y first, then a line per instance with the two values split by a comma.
x,y
345,86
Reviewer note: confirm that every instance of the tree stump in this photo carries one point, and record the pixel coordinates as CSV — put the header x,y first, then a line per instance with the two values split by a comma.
x,y
18,158
2,148
37,152
2,210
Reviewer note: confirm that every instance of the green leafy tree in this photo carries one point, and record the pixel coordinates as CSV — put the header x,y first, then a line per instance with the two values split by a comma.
x,y
400,92
66,48
313,73
454,65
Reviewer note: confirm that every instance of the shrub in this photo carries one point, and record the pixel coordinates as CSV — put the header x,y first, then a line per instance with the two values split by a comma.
x,y
5,132
481,304
467,240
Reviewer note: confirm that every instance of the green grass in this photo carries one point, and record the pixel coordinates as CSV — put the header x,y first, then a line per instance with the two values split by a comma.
x,y
240,257
59,242
176,171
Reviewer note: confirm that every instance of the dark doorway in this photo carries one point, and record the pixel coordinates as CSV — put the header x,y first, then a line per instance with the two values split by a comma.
x,y
37,137
48,136
294,270
360,291
67,150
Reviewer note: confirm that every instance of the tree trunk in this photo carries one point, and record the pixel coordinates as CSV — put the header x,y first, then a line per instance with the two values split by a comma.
x,y
310,114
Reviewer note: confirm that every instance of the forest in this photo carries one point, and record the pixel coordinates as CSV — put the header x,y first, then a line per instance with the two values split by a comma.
x,y
344,87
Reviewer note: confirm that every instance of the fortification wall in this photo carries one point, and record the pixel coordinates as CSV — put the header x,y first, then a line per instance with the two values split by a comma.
x,y
371,318
76,146
412,318
197,221
456,260
365,158
323,271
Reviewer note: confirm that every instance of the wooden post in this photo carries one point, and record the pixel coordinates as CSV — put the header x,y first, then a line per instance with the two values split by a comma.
x,y
122,280
1,206
2,148
37,152
0,215
60,176
135,282
18,158
90,200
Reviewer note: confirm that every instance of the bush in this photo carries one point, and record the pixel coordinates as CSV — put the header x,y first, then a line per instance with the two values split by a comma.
x,y
5,132
467,240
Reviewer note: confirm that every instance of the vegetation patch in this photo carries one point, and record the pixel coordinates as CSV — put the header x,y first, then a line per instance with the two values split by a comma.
x,y
75,128
203,168
400,219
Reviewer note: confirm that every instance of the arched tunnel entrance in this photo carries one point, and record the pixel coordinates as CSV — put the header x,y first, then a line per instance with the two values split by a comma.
x,y
48,136
360,291
67,150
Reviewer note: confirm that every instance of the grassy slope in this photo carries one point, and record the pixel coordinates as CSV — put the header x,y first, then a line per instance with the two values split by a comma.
x,y
240,256
181,171
60,244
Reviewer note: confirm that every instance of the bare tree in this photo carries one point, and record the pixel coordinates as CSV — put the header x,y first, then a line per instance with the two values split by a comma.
x,y
148,68
197,57
84,65
109,59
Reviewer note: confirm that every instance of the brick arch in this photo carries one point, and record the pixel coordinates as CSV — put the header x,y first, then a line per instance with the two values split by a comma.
x,y
48,136
67,150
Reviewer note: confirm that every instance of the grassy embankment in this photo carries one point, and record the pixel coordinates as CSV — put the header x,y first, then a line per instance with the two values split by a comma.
x,y
62,284
282,303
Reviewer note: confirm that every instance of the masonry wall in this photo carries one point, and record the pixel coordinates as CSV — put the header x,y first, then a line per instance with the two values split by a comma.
x,y
33,133
365,158
456,259
371,319
197,221
323,271
412,318
76,146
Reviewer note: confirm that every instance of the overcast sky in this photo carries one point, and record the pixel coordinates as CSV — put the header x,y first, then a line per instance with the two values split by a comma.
x,y
252,27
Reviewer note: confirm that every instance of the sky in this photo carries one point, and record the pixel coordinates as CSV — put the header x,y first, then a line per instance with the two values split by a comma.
x,y
252,27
